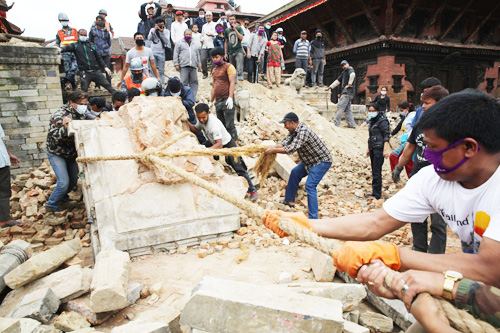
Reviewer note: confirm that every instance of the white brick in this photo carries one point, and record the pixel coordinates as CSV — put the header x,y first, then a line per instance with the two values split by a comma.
x,y
22,93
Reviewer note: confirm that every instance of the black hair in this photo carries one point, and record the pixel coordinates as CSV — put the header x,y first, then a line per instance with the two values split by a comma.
x,y
429,82
218,25
222,14
160,20
437,93
232,15
246,19
217,51
375,105
202,107
201,10
99,102
194,25
470,113
77,95
119,96
82,30
170,6
100,17
133,92
138,33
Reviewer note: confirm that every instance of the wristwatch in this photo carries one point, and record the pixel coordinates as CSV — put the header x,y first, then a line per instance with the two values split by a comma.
x,y
450,277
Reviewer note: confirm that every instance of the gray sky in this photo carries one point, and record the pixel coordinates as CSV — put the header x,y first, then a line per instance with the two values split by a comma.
x,y
39,17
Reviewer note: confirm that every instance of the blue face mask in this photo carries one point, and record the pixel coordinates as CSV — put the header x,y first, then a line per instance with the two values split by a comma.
x,y
372,115
83,38
175,94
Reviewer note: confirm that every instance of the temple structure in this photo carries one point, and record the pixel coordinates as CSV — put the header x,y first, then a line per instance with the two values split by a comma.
x,y
398,43
5,26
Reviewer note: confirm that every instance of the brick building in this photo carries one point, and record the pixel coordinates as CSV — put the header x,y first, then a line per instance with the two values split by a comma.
x,y
398,43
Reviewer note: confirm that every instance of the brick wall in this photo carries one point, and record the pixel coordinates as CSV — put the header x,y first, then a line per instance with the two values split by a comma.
x,y
30,91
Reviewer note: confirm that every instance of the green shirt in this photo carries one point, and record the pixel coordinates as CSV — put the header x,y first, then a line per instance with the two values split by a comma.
x,y
233,42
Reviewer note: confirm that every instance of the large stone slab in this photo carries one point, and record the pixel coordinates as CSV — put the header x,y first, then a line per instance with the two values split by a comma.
x,y
110,281
127,213
11,256
219,305
167,316
29,325
42,264
39,305
10,325
66,284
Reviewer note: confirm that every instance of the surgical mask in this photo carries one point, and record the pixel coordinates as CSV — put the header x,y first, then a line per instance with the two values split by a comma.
x,y
268,27
64,24
402,114
372,115
175,94
202,16
81,109
187,38
140,42
217,63
137,76
83,38
435,157
155,94
261,31
383,92
219,29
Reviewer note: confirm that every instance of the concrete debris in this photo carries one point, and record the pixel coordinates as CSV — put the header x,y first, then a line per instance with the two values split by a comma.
x,y
156,288
29,325
42,264
70,321
39,305
46,329
11,257
376,322
352,316
9,325
168,317
221,305
285,277
350,327
110,281
322,267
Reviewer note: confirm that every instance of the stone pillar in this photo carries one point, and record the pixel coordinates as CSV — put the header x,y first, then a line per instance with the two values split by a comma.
x,y
30,91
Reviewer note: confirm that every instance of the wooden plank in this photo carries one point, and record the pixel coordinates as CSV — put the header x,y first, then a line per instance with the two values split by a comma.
x,y
329,7
480,25
431,20
405,17
452,24
388,17
371,17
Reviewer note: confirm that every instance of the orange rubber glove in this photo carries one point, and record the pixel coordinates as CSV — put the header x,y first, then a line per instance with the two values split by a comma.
x,y
352,255
271,219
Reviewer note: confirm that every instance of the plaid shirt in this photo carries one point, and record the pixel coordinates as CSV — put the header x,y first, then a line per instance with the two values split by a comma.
x,y
312,151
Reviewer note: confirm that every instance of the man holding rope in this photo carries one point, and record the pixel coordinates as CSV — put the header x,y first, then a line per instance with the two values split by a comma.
x,y
462,185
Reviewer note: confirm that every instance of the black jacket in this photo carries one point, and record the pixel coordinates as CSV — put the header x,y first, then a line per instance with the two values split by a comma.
x,y
149,22
317,49
379,132
86,56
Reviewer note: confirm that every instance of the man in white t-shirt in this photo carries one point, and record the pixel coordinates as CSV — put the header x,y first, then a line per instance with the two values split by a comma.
x,y
218,137
462,185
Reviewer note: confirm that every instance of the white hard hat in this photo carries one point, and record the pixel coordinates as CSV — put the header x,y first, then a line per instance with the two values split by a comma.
x,y
151,85
136,64
62,17
279,30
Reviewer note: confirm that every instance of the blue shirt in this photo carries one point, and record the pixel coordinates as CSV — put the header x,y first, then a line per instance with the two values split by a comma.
x,y
418,114
101,40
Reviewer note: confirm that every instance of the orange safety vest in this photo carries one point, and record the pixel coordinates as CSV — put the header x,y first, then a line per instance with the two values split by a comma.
x,y
131,84
68,39
106,24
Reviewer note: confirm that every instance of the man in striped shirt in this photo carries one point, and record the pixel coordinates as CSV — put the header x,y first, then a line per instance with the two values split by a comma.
x,y
301,49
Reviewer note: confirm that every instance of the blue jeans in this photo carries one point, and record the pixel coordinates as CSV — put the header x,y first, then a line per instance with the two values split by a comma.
x,y
160,64
316,173
66,171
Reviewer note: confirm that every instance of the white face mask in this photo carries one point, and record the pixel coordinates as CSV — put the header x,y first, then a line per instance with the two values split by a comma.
x,y
175,94
383,92
64,24
81,109
202,16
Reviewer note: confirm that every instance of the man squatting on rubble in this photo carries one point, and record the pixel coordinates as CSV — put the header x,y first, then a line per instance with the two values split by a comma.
x,y
315,161
218,137
462,185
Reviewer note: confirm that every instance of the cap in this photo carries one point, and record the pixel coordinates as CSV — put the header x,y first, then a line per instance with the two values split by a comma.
x,y
344,62
222,14
179,12
303,32
174,84
279,30
318,30
290,116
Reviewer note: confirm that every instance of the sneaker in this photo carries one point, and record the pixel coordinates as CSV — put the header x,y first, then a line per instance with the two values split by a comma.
x,y
254,196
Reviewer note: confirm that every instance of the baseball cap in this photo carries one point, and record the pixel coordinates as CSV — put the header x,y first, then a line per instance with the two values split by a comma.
x,y
344,62
303,32
179,12
290,116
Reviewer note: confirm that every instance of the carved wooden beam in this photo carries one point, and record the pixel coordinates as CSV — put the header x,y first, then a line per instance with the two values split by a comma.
x,y
329,7
405,17
480,25
452,24
294,26
490,34
431,20
311,16
388,18
371,17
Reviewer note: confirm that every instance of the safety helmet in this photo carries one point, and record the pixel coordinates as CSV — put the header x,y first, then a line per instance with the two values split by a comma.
x,y
62,17
103,11
136,64
150,85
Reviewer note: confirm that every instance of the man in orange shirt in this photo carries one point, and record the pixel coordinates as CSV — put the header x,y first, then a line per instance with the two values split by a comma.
x,y
134,80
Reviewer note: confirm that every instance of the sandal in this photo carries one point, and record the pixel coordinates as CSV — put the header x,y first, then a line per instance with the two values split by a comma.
x,y
11,224
287,203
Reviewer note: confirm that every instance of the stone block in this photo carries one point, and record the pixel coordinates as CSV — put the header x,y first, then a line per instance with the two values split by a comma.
x,y
39,305
283,166
46,329
70,321
349,294
322,266
22,93
165,315
141,326
42,264
376,322
350,327
110,281
219,305
67,284
9,325
29,325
